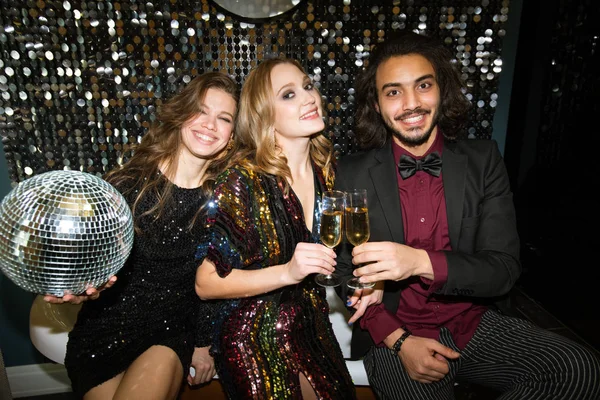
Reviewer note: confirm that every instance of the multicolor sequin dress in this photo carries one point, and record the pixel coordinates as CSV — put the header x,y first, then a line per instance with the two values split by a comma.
x,y
153,301
265,342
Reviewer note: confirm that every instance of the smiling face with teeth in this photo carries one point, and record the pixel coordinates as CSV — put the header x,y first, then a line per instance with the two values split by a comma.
x,y
297,104
408,100
207,133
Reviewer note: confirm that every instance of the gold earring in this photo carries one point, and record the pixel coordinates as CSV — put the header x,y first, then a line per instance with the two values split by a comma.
x,y
229,144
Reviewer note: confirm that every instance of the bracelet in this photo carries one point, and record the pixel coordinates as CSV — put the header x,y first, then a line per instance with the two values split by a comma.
x,y
396,347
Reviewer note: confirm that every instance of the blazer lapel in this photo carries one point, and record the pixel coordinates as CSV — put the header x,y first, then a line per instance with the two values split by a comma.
x,y
454,172
383,176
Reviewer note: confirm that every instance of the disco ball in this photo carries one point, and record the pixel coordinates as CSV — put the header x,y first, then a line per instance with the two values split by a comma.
x,y
63,231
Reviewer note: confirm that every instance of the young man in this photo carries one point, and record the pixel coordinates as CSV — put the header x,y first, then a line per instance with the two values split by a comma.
x,y
443,245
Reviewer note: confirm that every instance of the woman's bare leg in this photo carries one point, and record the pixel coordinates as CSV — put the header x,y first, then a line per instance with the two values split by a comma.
x,y
105,390
308,393
155,374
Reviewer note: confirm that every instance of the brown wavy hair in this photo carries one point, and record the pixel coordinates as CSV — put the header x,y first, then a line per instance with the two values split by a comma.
x,y
160,145
454,105
256,120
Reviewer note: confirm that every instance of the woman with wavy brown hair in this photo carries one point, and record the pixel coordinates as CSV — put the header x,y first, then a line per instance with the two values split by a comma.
x,y
139,339
274,338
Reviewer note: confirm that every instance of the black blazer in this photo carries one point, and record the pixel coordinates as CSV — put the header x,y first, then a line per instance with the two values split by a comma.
x,y
484,261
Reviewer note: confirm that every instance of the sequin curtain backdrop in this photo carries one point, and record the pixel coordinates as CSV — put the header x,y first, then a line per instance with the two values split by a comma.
x,y
80,81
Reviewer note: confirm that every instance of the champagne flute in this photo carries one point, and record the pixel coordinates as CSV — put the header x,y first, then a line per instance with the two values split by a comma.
x,y
357,226
333,203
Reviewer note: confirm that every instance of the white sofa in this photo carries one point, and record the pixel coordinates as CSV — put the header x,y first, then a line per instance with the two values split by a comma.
x,y
339,316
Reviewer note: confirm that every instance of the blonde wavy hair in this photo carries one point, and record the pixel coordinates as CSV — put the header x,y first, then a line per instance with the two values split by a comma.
x,y
256,121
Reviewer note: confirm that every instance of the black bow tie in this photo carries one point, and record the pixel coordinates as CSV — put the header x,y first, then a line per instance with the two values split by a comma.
x,y
432,164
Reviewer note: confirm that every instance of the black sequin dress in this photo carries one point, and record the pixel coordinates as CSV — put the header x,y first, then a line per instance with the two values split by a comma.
x,y
152,303
264,342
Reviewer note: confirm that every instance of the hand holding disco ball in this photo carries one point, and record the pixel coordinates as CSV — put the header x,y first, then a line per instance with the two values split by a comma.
x,y
64,231
91,293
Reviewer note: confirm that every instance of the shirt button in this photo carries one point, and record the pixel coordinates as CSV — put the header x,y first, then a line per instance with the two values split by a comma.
x,y
422,219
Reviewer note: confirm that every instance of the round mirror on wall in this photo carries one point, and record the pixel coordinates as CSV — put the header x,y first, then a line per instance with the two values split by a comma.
x,y
257,9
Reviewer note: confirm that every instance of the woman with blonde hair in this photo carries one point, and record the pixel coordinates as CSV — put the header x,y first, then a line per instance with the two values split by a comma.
x,y
274,337
140,337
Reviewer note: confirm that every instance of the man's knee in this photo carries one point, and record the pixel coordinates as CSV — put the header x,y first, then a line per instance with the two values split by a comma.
x,y
578,369
586,369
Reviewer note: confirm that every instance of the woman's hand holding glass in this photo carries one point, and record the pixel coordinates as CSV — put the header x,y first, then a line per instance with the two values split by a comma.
x,y
307,259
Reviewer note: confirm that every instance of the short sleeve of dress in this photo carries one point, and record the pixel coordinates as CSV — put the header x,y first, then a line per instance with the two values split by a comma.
x,y
230,239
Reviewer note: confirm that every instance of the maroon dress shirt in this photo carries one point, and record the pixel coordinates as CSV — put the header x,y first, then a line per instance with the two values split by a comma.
x,y
425,223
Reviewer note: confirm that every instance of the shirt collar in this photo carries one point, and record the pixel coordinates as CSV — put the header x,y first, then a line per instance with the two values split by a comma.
x,y
437,145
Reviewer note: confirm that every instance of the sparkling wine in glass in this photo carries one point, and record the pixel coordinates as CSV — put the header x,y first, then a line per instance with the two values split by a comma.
x,y
357,226
331,228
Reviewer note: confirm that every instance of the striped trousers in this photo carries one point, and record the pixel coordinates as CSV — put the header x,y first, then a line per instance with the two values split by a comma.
x,y
511,355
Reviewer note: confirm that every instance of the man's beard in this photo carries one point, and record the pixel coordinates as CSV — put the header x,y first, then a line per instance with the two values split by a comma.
x,y
414,141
